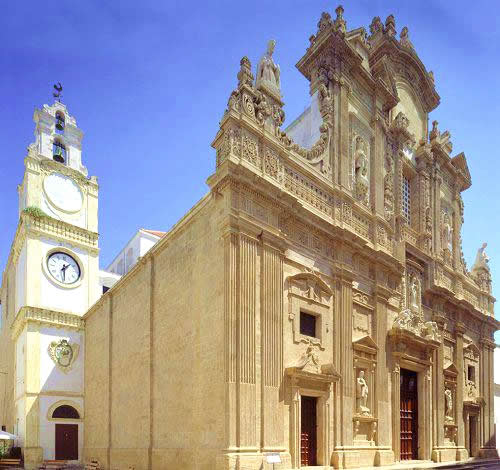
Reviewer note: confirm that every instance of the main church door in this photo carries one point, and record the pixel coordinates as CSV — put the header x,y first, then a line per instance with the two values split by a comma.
x,y
409,415
308,431
66,441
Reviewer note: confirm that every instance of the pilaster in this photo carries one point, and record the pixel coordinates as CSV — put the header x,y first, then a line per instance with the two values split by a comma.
x,y
462,453
438,395
272,437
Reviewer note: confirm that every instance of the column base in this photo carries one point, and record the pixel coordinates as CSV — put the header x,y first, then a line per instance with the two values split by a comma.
x,y
488,453
384,457
345,459
33,457
462,454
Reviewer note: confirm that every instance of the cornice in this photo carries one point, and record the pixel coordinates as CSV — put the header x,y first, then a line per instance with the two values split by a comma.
x,y
60,230
47,317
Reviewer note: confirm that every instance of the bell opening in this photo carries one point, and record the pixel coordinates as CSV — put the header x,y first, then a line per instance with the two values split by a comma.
x,y
58,158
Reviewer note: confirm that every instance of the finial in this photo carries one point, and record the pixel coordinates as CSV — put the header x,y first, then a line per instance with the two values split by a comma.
x,y
58,93
404,38
376,25
245,76
324,22
340,23
435,131
431,76
390,25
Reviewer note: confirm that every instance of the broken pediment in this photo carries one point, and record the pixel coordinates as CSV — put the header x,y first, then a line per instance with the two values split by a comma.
x,y
451,370
310,286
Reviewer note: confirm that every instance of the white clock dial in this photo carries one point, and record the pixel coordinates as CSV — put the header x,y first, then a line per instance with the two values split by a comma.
x,y
63,268
63,192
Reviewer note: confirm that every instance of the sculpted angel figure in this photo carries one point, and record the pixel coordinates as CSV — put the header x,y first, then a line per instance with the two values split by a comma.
x,y
268,73
362,393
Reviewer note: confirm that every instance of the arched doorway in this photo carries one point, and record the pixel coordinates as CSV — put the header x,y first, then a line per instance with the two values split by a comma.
x,y
66,434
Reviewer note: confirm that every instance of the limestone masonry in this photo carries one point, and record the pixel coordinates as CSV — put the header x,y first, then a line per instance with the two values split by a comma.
x,y
314,308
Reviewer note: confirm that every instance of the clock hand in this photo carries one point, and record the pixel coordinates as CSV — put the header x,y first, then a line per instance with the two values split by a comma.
x,y
63,270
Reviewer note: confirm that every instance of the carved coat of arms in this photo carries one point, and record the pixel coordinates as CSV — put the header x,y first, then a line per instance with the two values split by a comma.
x,y
63,353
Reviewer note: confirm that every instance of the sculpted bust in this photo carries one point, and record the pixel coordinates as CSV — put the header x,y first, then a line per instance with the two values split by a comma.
x,y
268,73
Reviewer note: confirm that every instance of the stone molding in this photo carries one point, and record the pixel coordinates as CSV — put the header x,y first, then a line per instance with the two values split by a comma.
x,y
43,316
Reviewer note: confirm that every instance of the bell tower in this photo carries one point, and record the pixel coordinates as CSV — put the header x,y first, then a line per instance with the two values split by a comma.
x,y
50,281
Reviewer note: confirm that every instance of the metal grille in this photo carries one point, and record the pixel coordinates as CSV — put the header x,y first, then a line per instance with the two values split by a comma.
x,y
406,199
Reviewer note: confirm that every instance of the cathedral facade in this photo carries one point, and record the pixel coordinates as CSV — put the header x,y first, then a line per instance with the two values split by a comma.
x,y
314,309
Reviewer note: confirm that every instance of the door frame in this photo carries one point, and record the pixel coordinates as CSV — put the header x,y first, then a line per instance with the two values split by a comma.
x,y
424,406
76,436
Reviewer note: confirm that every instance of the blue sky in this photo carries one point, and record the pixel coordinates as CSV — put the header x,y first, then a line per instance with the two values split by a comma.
x,y
148,83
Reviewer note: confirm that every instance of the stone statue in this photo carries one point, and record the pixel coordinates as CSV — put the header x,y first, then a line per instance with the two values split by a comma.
x,y
449,403
414,293
447,233
482,259
362,394
361,170
268,73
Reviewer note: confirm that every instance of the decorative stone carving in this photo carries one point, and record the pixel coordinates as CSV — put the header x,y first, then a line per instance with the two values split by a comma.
x,y
340,23
268,73
389,187
376,26
362,394
408,320
309,361
482,260
245,76
63,353
325,22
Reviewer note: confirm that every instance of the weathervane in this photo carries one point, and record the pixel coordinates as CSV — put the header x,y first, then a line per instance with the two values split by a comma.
x,y
58,93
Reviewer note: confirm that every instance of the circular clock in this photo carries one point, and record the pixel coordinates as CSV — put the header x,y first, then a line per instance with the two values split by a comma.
x,y
63,192
63,268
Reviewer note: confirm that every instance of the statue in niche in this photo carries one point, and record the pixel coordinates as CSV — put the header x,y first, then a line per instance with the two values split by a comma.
x,y
361,170
447,233
449,403
268,73
414,293
362,394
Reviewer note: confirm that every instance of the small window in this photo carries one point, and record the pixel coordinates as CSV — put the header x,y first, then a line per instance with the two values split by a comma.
x,y
105,289
66,412
4,428
471,373
307,324
406,202
59,151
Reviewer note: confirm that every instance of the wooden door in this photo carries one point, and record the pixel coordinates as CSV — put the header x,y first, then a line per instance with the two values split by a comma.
x,y
308,431
66,441
409,415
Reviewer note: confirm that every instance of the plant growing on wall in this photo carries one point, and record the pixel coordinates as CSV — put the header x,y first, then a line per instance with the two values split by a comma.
x,y
35,212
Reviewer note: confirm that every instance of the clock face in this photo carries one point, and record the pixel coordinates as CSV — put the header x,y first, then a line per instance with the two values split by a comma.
x,y
63,268
63,192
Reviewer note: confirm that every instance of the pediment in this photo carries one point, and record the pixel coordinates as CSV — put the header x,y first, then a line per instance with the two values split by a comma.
x,y
365,346
471,351
451,370
406,65
310,286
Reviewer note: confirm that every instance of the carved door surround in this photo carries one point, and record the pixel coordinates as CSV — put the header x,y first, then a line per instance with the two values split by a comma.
x,y
412,346
308,293
319,381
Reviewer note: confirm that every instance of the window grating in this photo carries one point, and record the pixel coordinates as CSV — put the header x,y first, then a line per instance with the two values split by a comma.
x,y
406,199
